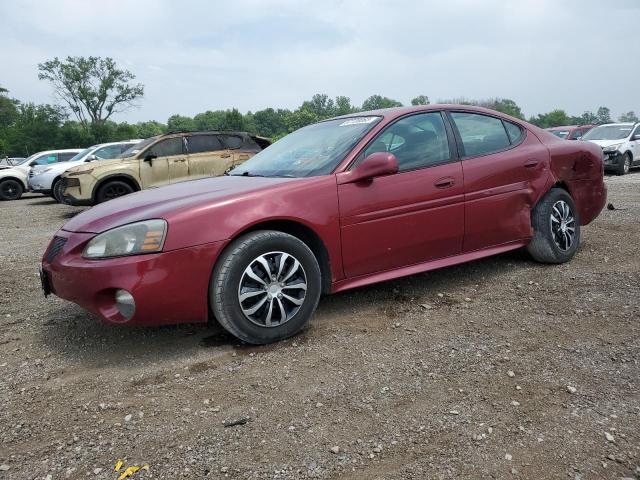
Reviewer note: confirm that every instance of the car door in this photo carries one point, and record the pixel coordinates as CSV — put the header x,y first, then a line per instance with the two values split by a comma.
x,y
161,163
409,217
236,147
503,169
208,156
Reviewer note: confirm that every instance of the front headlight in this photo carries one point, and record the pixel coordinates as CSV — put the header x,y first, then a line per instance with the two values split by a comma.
x,y
133,239
611,148
80,172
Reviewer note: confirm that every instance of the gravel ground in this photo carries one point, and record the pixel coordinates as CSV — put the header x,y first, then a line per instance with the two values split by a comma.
x,y
501,368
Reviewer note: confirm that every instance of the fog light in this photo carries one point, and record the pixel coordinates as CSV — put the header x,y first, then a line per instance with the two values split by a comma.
x,y
125,303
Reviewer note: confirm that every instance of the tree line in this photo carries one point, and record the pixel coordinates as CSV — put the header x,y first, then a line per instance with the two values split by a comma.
x,y
93,89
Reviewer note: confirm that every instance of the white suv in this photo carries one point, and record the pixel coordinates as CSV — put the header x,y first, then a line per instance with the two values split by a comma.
x,y
46,179
13,178
620,143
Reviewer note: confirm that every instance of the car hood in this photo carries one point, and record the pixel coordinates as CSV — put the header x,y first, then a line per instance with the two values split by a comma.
x,y
57,168
606,143
80,166
164,202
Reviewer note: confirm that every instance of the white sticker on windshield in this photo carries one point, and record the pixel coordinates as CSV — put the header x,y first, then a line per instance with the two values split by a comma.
x,y
358,121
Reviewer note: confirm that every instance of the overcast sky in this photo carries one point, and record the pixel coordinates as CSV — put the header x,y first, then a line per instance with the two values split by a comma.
x,y
194,56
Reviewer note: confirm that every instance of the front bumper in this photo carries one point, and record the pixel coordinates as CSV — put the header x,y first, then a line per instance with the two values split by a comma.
x,y
168,288
611,160
76,191
39,185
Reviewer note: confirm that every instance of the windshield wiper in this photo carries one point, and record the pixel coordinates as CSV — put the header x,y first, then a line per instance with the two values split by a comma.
x,y
244,174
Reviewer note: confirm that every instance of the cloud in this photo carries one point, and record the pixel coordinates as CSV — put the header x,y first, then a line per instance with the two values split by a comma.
x,y
199,55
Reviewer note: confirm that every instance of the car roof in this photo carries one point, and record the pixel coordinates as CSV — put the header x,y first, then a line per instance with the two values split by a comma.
x,y
60,150
395,112
618,124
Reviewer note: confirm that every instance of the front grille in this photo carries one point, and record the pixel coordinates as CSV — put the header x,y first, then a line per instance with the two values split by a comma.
x,y
55,247
31,173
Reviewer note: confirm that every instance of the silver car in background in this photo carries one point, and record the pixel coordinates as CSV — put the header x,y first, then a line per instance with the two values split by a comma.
x,y
46,180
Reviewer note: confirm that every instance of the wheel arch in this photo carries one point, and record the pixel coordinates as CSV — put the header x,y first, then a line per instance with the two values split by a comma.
x,y
24,184
305,234
124,177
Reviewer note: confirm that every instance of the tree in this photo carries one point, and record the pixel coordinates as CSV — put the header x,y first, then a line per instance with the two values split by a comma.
x,y
506,106
270,122
233,120
178,123
375,102
420,100
554,118
628,117
150,129
210,120
94,88
603,115
343,106
320,105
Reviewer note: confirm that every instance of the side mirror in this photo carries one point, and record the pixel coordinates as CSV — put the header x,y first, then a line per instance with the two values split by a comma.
x,y
377,164
91,158
636,137
149,157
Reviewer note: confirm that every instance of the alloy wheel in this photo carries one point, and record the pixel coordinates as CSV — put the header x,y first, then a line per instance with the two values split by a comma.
x,y
563,225
10,190
272,289
115,191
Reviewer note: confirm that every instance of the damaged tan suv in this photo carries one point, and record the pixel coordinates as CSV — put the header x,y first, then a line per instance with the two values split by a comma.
x,y
160,160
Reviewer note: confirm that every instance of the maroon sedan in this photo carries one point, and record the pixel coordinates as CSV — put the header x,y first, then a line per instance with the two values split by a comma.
x,y
336,205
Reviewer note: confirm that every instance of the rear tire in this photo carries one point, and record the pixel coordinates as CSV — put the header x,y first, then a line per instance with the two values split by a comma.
x,y
113,189
624,164
265,287
556,227
10,189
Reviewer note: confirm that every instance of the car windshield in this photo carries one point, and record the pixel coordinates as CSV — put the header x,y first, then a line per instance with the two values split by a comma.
x,y
560,133
82,154
608,132
311,151
134,149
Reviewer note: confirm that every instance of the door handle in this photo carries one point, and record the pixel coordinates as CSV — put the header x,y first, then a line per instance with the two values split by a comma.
x,y
532,163
225,155
445,182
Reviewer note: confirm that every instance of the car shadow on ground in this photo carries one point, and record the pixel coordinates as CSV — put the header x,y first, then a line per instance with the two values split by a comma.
x,y
71,332
45,201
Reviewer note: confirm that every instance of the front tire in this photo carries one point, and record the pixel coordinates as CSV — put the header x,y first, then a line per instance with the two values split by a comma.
x,y
113,189
10,189
57,191
265,287
624,164
556,227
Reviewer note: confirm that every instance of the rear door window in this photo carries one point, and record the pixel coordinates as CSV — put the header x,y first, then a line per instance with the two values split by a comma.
x,y
232,141
204,143
167,147
480,134
66,156
108,152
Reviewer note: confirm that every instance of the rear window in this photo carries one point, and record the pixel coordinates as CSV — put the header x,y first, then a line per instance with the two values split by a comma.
x,y
514,131
204,143
233,141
